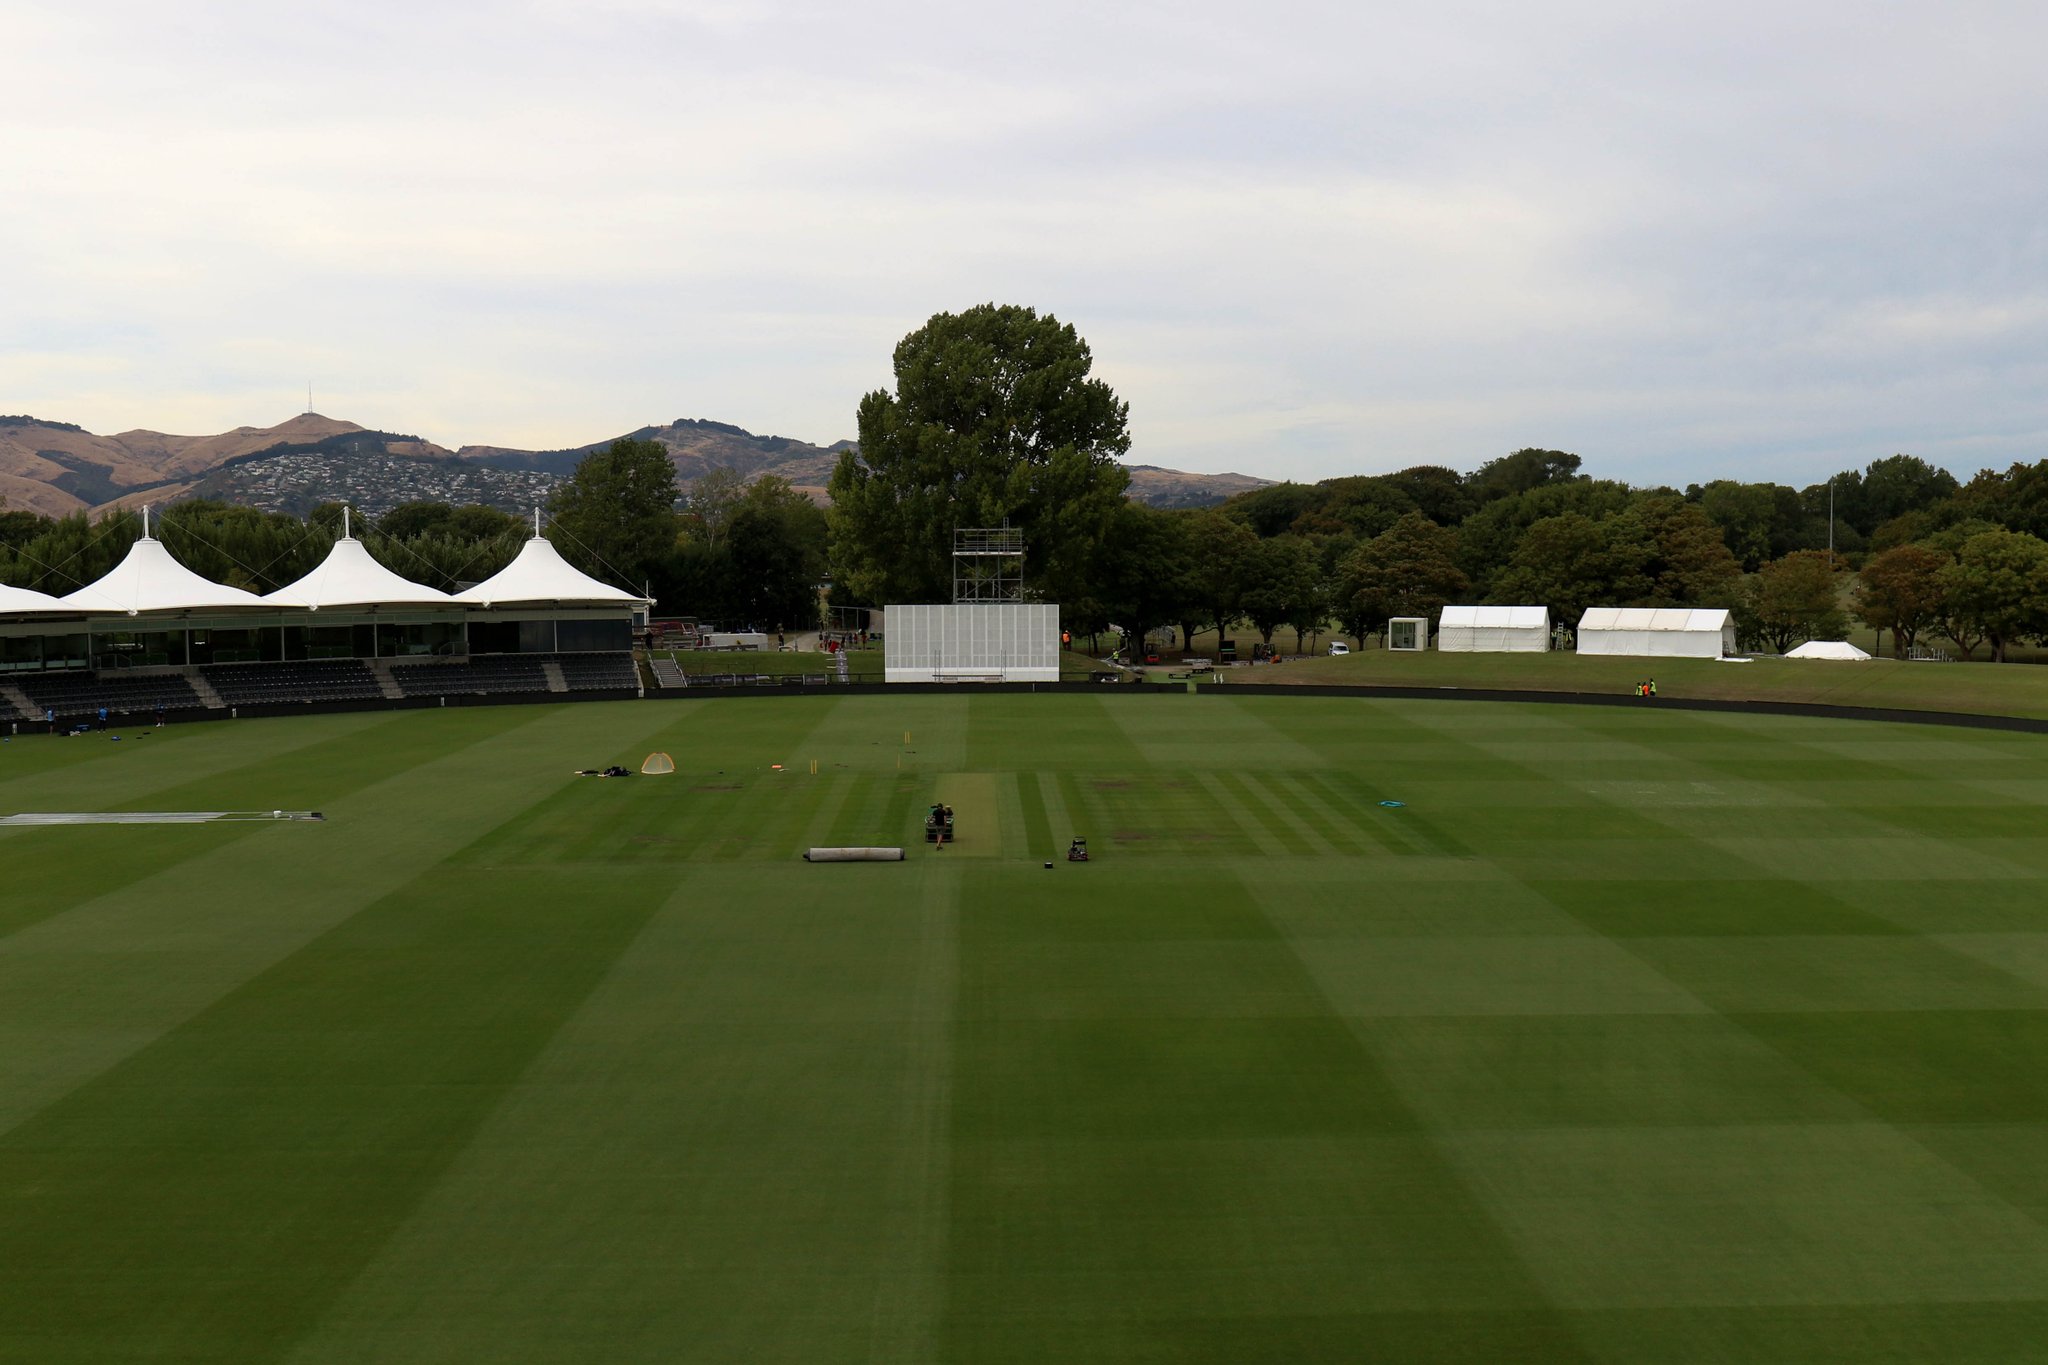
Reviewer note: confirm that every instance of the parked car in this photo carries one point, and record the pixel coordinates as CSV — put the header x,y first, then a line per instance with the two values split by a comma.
x,y
1339,647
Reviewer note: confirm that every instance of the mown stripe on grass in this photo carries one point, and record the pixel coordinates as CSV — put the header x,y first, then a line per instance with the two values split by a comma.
x,y
207,1198
1366,817
1158,1174
1261,833
72,865
84,989
1273,791
1038,836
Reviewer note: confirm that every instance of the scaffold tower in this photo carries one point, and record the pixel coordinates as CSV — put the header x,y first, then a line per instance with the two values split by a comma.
x,y
988,564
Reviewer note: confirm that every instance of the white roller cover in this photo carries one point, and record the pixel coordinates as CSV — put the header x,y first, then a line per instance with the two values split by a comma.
x,y
1828,649
1657,632
14,601
540,574
1492,630
989,641
148,579
349,577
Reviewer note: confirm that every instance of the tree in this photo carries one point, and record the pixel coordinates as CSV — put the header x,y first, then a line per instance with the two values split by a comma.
x,y
1522,471
1794,599
1410,569
618,511
1310,616
711,501
1219,550
775,556
1998,587
1571,562
1689,563
994,421
1279,580
1899,484
1144,569
1899,590
1487,538
1760,521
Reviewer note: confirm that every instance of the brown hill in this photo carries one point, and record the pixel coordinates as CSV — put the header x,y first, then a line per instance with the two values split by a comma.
x,y
697,447
55,468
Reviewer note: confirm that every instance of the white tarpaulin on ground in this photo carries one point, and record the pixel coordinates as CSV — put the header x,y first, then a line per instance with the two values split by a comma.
x,y
1658,632
1493,630
1828,649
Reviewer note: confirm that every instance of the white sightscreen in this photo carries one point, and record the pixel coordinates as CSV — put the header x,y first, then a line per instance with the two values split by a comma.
x,y
1007,641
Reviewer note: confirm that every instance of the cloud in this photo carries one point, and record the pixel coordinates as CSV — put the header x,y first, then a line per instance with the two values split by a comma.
x,y
1303,239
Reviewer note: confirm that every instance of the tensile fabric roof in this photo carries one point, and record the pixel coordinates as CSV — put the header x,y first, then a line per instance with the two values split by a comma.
x,y
349,577
540,574
1496,618
148,579
14,600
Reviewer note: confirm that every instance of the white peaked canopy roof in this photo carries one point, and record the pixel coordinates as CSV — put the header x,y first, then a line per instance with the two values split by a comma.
x,y
540,574
150,580
1828,649
1654,618
22,599
1496,618
348,577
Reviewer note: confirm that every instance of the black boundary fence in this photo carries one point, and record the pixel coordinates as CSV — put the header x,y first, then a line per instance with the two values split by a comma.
x,y
1962,719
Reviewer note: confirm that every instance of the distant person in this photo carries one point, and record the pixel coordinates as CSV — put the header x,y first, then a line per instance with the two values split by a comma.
x,y
50,718
159,715
103,718
1653,687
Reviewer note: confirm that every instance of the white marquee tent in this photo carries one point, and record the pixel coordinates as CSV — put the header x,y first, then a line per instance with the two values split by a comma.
x,y
1828,649
539,574
1493,630
148,579
1658,632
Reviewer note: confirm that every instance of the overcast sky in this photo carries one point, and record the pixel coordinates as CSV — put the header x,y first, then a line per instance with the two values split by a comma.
x,y
1682,240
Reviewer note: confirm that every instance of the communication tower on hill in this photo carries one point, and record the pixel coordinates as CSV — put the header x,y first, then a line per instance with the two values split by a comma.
x,y
988,565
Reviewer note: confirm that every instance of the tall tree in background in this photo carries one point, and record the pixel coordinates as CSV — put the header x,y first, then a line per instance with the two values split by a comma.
x,y
1219,548
1794,598
1998,587
1521,472
1899,590
775,556
1571,562
1143,570
1410,569
619,511
1281,580
994,419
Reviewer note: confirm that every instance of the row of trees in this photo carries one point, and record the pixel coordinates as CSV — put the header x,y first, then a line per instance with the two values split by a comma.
x,y
734,551
243,547
996,419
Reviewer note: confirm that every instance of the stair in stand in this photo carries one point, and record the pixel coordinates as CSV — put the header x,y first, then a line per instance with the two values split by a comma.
x,y
553,671
208,698
14,699
381,670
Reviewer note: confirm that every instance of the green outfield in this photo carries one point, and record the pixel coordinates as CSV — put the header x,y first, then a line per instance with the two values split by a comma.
x,y
1628,1036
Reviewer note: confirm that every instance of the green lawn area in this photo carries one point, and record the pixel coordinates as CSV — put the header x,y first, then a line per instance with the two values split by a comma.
x,y
862,665
1628,1036
1986,689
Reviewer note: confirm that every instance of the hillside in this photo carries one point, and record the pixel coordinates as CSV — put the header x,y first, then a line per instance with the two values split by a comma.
x,y
57,468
